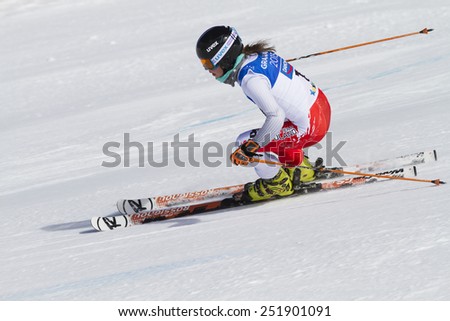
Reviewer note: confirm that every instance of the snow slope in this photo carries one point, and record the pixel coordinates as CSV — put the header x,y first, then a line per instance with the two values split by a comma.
x,y
77,75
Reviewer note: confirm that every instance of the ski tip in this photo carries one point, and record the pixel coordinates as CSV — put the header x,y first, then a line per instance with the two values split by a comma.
x,y
95,222
108,223
121,206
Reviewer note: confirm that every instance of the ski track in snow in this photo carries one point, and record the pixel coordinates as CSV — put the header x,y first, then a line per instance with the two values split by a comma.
x,y
78,75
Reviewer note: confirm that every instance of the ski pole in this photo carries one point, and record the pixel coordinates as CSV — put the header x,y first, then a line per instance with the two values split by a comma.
x,y
423,31
339,171
434,181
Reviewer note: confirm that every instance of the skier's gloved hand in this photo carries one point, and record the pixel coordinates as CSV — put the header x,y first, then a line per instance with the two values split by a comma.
x,y
244,153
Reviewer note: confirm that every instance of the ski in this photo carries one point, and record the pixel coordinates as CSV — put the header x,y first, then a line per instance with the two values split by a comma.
x,y
126,220
399,161
131,206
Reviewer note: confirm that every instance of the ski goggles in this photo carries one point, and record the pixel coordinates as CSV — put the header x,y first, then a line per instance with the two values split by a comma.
x,y
207,64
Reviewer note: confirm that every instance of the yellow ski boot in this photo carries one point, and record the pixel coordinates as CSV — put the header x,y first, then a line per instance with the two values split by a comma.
x,y
264,189
307,172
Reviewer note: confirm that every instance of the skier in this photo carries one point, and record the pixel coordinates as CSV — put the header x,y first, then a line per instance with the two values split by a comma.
x,y
297,112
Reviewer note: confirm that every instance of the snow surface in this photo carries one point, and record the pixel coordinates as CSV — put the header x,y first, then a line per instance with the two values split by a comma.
x,y
78,74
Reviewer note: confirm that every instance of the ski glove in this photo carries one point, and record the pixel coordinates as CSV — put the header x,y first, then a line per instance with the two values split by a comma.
x,y
244,153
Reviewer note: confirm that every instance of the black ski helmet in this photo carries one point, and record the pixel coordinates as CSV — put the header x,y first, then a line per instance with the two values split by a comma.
x,y
219,46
